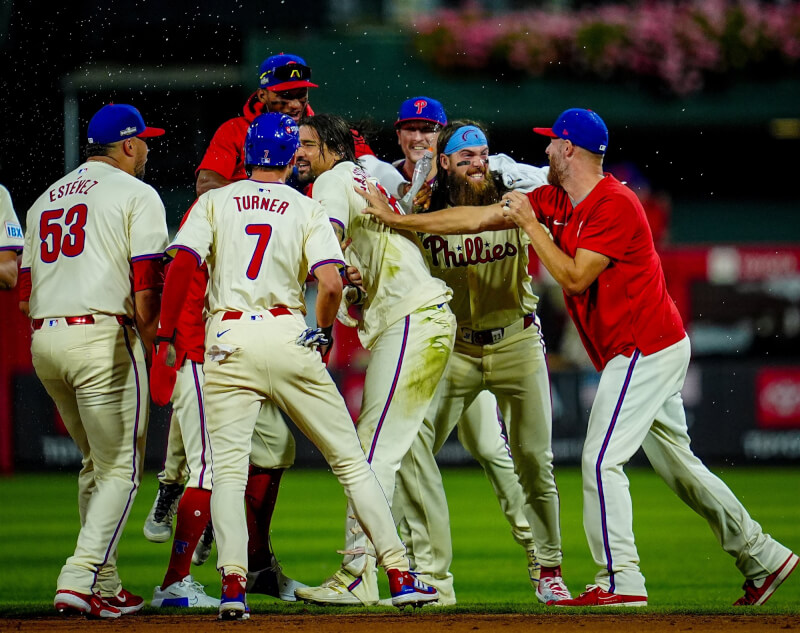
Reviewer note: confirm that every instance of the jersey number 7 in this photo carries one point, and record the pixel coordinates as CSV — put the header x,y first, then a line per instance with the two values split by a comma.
x,y
264,232
72,243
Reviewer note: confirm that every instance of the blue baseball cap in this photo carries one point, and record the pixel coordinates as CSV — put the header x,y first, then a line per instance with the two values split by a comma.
x,y
583,127
421,109
284,72
116,122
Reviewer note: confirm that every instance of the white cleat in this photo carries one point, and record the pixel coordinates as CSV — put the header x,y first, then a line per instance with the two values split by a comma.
x,y
188,593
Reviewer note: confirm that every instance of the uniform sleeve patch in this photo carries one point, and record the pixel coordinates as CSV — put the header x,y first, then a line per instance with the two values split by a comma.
x,y
14,230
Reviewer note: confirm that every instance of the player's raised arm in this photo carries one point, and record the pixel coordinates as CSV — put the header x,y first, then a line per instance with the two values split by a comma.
x,y
451,221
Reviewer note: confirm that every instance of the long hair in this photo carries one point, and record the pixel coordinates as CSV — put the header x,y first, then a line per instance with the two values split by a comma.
x,y
439,195
334,134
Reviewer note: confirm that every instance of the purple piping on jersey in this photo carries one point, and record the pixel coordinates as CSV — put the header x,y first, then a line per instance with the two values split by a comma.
x,y
178,247
132,494
140,258
18,249
391,391
198,389
338,262
25,270
598,466
339,222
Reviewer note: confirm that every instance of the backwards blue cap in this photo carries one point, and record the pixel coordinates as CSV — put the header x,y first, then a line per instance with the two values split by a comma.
x,y
466,136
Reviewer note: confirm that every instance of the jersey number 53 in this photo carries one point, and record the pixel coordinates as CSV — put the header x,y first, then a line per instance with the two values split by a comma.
x,y
51,232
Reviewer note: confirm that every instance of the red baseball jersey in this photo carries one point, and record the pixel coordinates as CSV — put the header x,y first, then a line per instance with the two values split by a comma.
x,y
627,307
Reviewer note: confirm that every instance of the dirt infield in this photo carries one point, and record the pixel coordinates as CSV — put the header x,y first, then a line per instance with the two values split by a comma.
x,y
429,623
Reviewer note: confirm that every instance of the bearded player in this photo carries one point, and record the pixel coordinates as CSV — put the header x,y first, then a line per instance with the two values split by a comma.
x,y
499,348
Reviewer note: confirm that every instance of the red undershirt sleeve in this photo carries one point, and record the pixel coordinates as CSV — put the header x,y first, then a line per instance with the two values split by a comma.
x,y
176,287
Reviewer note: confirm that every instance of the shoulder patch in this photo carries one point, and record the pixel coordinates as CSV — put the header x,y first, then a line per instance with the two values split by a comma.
x,y
14,230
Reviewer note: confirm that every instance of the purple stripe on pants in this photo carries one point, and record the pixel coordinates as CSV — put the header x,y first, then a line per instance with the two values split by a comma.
x,y
392,390
132,493
598,466
198,388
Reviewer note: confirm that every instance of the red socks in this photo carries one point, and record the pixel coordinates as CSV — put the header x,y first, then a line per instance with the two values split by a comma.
x,y
194,513
260,497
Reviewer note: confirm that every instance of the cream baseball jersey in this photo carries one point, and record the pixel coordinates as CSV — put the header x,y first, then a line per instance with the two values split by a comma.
x,y
252,235
11,239
488,273
393,270
84,232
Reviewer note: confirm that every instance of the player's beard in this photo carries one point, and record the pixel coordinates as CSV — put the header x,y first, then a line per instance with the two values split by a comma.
x,y
555,175
138,170
465,192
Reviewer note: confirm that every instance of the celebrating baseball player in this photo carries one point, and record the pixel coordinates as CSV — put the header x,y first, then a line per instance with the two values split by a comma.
x,y
602,254
284,83
261,238
499,348
419,121
407,327
11,241
92,271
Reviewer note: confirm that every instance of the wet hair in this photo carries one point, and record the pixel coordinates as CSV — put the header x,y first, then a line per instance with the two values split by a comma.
x,y
439,196
335,135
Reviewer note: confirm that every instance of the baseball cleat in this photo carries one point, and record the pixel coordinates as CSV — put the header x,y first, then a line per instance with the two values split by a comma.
x,y
595,596
341,589
188,593
759,591
407,589
125,601
233,605
271,581
203,549
551,587
69,602
158,525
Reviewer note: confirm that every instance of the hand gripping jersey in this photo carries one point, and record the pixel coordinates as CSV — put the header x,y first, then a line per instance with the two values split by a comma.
x,y
392,267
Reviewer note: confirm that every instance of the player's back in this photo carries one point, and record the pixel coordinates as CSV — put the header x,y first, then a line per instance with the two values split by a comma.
x,y
83,233
264,237
393,269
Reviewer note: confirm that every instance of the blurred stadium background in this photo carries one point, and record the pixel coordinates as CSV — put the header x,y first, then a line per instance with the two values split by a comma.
x,y
704,126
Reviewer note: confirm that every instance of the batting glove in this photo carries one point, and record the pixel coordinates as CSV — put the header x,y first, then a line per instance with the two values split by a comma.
x,y
164,371
319,338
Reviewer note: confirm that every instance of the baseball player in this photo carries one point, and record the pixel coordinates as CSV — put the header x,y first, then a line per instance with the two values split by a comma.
x,y
602,254
92,271
407,327
261,238
419,121
11,241
499,347
284,83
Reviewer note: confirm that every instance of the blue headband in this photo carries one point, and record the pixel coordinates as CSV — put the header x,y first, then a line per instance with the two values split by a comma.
x,y
466,136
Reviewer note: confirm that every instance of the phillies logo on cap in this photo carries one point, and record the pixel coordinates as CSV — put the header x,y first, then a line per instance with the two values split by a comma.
x,y
420,105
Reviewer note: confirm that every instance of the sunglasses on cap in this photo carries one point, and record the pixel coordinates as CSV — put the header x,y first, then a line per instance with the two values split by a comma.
x,y
291,72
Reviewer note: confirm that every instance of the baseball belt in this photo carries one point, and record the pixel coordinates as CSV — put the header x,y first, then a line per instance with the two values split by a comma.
x,y
87,319
233,314
490,337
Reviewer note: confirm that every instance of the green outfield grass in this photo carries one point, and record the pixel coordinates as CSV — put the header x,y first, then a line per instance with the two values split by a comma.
x,y
685,568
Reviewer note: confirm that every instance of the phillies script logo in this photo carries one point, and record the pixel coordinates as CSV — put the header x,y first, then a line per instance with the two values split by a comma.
x,y
420,105
475,252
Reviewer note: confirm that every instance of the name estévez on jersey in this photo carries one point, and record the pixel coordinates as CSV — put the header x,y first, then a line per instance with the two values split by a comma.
x,y
79,186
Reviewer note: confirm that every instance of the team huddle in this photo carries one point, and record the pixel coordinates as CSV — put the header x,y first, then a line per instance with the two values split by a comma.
x,y
428,258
